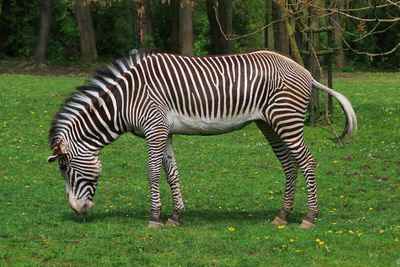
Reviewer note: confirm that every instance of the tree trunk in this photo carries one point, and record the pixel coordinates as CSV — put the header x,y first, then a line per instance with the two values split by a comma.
x,y
214,28
225,19
146,24
337,30
269,41
290,29
85,25
314,63
187,28
4,23
281,40
175,29
39,55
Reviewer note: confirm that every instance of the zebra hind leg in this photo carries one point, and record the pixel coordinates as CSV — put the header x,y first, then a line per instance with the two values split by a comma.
x,y
290,169
306,162
171,171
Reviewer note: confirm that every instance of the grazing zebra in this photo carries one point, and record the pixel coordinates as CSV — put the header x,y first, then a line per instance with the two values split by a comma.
x,y
155,96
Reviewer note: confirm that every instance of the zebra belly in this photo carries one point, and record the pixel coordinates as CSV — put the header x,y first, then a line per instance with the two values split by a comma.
x,y
182,124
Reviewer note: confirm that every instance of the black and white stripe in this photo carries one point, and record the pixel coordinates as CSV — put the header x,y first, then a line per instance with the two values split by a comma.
x,y
157,95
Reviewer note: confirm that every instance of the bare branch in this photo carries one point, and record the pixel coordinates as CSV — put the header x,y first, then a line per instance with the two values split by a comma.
x,y
343,12
371,54
241,36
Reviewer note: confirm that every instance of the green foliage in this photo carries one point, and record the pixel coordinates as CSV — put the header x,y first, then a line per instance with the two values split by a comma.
x,y
23,24
232,186
64,34
114,30
117,30
348,68
201,30
248,17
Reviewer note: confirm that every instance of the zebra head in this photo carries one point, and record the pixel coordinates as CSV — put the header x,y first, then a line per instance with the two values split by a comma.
x,y
81,173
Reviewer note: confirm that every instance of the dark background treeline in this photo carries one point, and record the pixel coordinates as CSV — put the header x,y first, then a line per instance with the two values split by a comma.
x,y
83,31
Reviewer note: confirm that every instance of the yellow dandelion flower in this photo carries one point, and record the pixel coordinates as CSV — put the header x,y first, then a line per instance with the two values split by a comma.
x,y
329,231
396,240
321,242
297,250
266,237
27,186
317,240
231,228
219,207
339,232
359,234
281,226
335,161
351,232
381,231
371,208
284,246
291,240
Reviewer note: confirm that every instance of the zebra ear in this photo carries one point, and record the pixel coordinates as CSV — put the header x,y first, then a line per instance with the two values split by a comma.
x,y
59,149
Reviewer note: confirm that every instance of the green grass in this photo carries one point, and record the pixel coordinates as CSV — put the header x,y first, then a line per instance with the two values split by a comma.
x,y
232,186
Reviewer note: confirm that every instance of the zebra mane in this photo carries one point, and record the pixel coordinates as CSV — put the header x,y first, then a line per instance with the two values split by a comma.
x,y
93,89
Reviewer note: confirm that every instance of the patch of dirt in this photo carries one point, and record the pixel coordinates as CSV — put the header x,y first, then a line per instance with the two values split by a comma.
x,y
30,68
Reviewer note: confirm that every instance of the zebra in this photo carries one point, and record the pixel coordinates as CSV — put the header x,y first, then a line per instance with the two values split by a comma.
x,y
156,95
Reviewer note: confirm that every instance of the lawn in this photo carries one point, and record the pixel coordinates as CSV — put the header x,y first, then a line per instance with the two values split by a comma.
x,y
232,187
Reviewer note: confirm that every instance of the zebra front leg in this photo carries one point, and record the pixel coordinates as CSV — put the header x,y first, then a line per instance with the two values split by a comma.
x,y
156,141
171,171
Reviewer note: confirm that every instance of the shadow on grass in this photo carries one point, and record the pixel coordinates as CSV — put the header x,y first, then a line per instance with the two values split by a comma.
x,y
189,217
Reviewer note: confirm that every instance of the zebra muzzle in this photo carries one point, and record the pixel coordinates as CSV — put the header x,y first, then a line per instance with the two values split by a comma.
x,y
81,206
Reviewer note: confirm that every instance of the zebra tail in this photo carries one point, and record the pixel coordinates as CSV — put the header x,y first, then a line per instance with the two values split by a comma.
x,y
351,119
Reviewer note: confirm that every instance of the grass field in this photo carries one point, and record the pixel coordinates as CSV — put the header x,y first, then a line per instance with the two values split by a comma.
x,y
232,186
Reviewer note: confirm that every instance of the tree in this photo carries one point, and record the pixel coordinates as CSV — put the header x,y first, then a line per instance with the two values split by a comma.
x,y
146,24
281,39
187,28
214,28
220,25
85,24
175,26
39,55
4,23
225,12
336,22
269,40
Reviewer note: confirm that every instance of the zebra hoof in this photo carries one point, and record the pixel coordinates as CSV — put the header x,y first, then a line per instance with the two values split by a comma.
x,y
306,225
154,224
279,221
172,222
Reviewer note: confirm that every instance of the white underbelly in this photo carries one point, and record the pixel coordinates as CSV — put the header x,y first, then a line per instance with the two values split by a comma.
x,y
181,124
